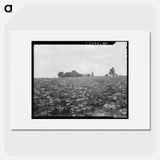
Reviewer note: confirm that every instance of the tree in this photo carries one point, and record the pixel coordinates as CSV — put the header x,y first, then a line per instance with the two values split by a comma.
x,y
60,74
75,73
92,74
112,71
68,74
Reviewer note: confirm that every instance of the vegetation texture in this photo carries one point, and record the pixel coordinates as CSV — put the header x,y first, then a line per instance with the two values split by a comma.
x,y
104,96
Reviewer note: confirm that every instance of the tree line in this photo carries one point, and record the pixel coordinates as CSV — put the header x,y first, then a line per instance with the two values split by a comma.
x,y
74,73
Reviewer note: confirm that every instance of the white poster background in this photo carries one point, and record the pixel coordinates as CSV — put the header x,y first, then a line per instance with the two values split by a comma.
x,y
139,80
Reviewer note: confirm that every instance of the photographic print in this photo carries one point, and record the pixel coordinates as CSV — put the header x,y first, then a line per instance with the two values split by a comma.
x,y
80,79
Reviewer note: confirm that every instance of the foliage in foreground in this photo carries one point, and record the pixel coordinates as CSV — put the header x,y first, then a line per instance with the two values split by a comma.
x,y
80,97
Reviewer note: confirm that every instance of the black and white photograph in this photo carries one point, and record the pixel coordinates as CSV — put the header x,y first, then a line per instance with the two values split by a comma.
x,y
80,79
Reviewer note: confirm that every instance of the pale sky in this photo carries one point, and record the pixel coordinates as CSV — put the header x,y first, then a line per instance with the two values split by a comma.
x,y
51,59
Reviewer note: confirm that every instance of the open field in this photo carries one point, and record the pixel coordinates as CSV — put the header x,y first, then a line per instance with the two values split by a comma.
x,y
104,96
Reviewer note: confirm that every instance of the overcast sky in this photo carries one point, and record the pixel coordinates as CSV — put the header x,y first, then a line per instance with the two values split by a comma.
x,y
51,59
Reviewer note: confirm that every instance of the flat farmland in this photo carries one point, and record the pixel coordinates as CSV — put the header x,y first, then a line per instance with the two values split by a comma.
x,y
99,96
